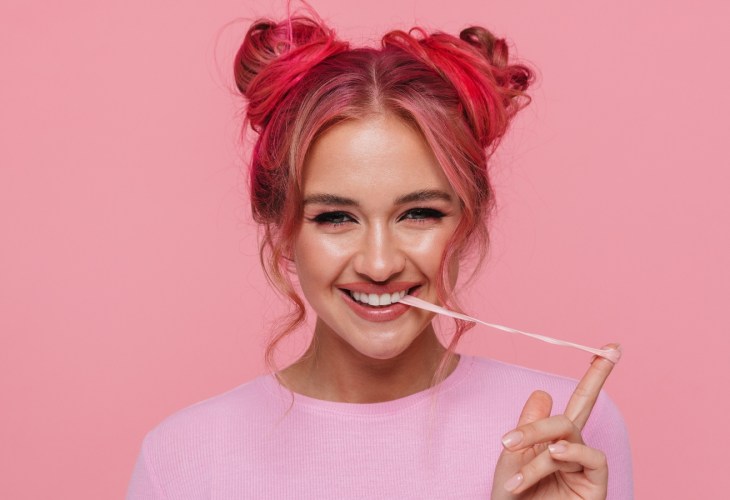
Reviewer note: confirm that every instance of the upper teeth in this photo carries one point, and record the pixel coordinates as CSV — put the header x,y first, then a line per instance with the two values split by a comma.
x,y
373,299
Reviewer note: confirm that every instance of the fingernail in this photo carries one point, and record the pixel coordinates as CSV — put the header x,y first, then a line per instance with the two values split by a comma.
x,y
557,448
620,352
512,439
615,347
513,482
614,357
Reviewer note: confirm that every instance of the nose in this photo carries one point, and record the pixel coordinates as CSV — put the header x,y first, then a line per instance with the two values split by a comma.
x,y
379,255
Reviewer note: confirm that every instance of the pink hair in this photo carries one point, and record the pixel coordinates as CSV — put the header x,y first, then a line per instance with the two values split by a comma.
x,y
299,80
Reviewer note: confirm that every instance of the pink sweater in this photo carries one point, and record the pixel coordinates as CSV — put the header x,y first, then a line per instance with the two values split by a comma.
x,y
243,444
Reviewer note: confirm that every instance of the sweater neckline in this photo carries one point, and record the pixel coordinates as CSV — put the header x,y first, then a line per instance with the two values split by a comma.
x,y
273,386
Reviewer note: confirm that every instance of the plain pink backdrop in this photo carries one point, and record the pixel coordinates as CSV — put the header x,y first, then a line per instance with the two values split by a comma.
x,y
129,279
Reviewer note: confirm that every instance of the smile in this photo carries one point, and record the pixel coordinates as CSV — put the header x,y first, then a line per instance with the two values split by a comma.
x,y
373,299
379,295
374,302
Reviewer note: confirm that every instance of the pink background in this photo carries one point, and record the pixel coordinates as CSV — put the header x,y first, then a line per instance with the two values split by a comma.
x,y
129,281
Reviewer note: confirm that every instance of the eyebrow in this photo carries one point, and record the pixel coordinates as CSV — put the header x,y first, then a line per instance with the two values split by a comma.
x,y
329,199
416,196
423,195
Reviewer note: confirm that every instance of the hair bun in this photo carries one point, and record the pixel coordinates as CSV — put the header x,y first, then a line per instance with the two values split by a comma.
x,y
493,48
275,56
495,51
490,88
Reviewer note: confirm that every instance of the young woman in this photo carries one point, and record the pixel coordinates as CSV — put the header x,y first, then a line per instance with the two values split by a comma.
x,y
369,178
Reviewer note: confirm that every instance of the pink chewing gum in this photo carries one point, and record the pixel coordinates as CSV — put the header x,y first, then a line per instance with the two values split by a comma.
x,y
612,355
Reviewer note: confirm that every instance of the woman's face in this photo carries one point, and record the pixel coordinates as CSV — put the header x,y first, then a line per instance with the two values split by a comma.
x,y
378,213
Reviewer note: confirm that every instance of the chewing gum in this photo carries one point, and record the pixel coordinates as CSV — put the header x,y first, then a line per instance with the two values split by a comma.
x,y
612,355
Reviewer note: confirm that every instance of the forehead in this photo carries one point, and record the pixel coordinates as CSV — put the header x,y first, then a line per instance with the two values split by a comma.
x,y
374,157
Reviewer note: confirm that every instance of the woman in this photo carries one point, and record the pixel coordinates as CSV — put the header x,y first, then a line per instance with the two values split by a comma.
x,y
369,179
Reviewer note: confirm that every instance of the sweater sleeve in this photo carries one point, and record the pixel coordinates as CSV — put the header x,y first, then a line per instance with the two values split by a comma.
x,y
606,431
144,485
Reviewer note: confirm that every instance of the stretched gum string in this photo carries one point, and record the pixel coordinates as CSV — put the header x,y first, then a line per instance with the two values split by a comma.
x,y
612,355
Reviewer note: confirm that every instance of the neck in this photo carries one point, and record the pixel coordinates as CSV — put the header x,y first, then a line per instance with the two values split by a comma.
x,y
332,370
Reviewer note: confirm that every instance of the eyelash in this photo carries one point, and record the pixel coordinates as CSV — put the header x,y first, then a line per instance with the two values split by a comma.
x,y
423,214
419,215
331,218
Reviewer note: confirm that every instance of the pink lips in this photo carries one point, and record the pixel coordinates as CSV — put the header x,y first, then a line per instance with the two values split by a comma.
x,y
380,313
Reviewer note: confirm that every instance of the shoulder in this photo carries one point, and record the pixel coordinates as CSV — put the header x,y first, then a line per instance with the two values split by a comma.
x,y
213,410
205,428
179,454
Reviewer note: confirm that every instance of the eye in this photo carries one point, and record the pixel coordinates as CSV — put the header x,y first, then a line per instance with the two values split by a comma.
x,y
332,218
423,214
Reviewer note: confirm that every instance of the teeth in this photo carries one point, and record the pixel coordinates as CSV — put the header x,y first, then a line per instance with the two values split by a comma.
x,y
375,300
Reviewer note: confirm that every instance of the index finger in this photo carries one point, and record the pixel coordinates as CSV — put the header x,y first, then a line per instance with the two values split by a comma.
x,y
586,393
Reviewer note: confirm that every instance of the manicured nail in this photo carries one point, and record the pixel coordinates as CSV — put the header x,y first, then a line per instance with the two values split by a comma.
x,y
557,448
514,482
512,439
610,347
620,351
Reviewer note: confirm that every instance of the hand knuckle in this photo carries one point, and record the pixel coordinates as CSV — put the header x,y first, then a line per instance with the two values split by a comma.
x,y
565,423
527,431
583,392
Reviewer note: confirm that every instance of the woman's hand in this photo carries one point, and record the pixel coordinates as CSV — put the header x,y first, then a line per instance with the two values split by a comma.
x,y
545,457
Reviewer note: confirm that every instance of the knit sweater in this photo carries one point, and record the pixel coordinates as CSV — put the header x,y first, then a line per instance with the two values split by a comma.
x,y
260,441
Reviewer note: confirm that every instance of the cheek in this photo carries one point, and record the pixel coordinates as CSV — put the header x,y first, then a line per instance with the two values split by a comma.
x,y
426,251
318,259
313,246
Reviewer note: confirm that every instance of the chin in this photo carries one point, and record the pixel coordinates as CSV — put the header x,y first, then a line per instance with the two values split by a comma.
x,y
384,351
382,356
